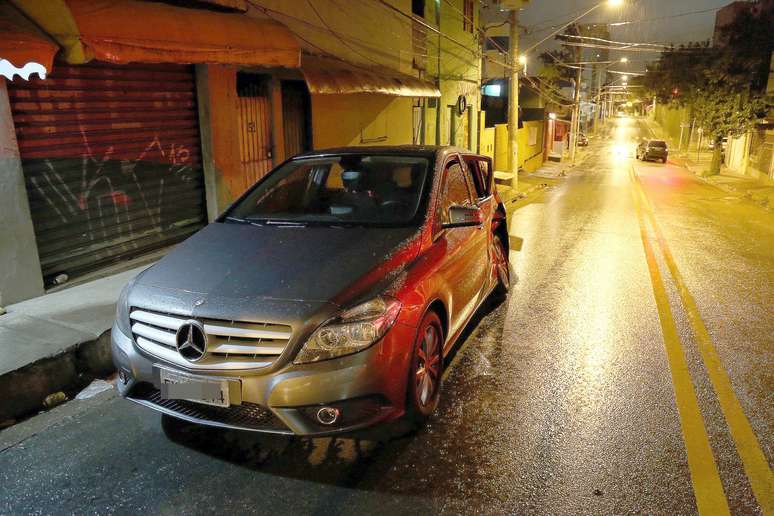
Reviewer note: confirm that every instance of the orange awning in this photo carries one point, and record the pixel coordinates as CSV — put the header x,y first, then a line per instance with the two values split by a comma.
x,y
325,75
22,45
125,31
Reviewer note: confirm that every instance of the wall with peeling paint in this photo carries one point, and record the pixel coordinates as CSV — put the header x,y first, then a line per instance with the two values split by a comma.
x,y
20,276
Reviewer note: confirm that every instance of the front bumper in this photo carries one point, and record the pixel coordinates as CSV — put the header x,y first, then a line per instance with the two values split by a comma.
x,y
367,388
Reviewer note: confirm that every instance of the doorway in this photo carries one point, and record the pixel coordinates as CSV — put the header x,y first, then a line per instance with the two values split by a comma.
x,y
297,124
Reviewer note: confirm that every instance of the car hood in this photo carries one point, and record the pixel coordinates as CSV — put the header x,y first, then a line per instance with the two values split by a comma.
x,y
310,264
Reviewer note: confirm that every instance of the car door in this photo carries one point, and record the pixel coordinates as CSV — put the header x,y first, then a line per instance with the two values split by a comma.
x,y
479,174
465,253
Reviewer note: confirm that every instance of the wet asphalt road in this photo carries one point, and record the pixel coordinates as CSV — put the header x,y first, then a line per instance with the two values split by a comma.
x,y
559,401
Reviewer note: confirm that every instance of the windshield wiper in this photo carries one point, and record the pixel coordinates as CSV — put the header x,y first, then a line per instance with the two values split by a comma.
x,y
252,222
289,223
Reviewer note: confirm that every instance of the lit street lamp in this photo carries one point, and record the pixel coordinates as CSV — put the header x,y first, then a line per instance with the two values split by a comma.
x,y
609,3
523,63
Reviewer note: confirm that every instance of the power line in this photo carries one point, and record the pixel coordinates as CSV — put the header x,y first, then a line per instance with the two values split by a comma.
x,y
626,48
338,37
426,25
618,24
614,42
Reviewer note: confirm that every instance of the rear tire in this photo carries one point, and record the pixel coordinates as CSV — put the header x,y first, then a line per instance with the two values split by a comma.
x,y
503,270
424,381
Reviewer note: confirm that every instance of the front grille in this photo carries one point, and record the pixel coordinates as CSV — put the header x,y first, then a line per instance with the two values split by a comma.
x,y
247,416
230,344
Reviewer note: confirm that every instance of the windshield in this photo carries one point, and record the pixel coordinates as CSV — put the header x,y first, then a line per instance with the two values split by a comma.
x,y
347,189
657,143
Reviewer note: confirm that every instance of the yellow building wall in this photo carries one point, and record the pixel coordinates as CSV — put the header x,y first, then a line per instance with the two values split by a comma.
x,y
488,142
531,156
459,74
357,31
361,119
530,150
501,158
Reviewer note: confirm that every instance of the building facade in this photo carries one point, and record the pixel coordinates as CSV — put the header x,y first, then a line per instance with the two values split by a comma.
x,y
154,116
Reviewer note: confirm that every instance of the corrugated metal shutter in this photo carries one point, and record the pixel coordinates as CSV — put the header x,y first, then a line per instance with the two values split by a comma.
x,y
112,161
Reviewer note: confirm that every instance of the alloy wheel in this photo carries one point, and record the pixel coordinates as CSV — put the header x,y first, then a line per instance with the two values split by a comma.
x,y
501,263
428,369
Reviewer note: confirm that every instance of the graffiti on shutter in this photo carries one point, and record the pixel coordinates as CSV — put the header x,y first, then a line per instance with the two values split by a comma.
x,y
111,162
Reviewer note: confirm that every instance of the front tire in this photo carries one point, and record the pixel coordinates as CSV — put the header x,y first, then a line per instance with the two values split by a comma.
x,y
424,382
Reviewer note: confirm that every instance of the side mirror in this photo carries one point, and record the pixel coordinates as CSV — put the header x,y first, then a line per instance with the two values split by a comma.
x,y
464,216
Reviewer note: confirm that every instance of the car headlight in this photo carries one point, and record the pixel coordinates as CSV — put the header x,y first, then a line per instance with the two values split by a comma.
x,y
122,310
353,330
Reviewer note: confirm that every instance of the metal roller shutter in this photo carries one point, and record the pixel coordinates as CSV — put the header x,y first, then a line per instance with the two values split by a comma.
x,y
112,162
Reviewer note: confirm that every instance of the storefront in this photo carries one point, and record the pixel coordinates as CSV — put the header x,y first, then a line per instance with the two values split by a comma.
x,y
111,140
111,160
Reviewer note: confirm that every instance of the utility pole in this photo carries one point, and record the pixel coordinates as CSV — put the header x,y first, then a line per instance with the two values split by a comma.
x,y
575,122
513,98
598,103
438,108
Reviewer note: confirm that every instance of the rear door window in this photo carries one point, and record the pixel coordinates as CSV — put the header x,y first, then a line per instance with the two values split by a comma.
x,y
475,177
456,191
485,170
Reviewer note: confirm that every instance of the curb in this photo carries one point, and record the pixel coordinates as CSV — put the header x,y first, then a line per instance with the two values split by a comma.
x,y
756,200
24,390
512,197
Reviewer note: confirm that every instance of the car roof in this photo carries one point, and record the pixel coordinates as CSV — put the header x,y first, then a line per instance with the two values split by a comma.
x,y
429,151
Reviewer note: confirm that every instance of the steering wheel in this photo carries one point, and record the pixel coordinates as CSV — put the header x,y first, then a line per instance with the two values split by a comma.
x,y
394,204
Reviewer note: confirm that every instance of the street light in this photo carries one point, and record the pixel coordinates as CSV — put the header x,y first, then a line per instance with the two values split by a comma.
x,y
609,3
576,109
624,60
523,63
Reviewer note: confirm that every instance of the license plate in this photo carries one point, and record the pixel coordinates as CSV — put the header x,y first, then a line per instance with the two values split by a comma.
x,y
199,389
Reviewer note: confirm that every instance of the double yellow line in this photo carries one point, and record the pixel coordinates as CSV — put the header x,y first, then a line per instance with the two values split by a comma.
x,y
707,486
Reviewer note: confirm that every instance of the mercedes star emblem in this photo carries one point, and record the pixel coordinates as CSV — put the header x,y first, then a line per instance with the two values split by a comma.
x,y
191,341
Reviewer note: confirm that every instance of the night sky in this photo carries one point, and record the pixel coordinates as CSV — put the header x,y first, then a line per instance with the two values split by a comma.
x,y
540,15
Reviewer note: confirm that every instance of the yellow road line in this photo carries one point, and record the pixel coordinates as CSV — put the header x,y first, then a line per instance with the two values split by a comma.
x,y
707,487
753,459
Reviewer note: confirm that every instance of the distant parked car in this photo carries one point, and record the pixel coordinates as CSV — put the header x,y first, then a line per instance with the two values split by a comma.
x,y
583,140
723,143
653,149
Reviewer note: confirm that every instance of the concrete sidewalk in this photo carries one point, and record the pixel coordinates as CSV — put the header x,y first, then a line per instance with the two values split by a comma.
x,y
549,174
56,342
758,191
761,192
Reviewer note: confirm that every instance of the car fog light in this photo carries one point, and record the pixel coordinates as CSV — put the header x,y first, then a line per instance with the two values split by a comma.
x,y
328,415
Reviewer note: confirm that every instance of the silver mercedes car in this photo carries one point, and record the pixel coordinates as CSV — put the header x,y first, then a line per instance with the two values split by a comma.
x,y
324,300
